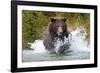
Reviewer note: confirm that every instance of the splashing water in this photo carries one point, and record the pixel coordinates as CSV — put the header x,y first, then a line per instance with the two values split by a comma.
x,y
76,38
79,48
78,42
38,46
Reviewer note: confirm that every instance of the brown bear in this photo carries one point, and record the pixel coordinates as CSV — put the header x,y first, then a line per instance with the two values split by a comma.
x,y
57,31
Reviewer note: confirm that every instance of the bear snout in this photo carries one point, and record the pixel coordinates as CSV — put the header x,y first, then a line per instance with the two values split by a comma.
x,y
60,31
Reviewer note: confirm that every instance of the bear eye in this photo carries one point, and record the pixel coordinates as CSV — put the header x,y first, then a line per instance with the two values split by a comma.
x,y
53,20
64,20
57,25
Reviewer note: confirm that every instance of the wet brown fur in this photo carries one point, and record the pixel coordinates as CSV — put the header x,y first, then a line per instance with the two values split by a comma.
x,y
49,39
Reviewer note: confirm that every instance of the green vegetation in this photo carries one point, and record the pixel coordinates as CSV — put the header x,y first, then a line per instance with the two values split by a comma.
x,y
35,24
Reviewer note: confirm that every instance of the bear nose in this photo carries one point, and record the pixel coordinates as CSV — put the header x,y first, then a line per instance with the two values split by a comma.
x,y
60,31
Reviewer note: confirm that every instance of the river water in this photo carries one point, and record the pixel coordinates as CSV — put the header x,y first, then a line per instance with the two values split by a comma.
x,y
79,49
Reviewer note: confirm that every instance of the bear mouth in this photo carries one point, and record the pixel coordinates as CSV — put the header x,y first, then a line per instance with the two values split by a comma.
x,y
59,33
60,37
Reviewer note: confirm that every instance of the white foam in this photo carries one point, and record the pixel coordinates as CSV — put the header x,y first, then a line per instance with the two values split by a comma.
x,y
37,46
77,41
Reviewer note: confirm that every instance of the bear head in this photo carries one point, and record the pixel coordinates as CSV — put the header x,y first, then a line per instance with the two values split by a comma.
x,y
58,27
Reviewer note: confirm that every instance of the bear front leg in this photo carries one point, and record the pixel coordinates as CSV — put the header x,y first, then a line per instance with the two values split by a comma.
x,y
63,48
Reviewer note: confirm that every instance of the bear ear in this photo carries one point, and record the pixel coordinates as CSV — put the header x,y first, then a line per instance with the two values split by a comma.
x,y
53,20
64,19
